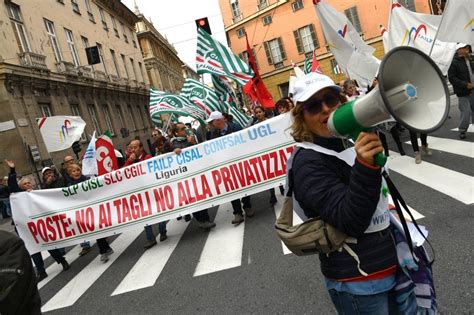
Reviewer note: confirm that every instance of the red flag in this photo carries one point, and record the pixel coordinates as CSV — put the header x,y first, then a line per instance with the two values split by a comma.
x,y
105,154
315,67
255,88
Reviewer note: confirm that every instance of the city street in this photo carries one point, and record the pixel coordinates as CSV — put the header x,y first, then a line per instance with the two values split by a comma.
x,y
246,269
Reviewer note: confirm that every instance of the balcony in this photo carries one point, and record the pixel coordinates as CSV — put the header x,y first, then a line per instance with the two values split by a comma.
x,y
237,18
100,76
66,67
86,72
33,60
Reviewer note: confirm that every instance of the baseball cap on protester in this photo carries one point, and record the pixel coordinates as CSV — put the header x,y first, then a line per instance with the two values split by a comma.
x,y
461,45
215,115
306,86
47,168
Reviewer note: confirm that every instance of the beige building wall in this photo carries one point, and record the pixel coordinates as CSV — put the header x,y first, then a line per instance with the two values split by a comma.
x,y
290,16
36,79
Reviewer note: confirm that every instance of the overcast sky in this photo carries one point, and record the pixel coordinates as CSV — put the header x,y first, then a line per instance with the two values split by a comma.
x,y
175,20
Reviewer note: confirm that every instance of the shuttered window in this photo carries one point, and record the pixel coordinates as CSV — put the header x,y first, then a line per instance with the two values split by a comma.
x,y
275,52
353,16
306,39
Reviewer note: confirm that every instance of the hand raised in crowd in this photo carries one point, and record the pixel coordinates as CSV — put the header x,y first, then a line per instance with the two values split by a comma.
x,y
177,151
10,163
49,177
132,157
191,139
367,146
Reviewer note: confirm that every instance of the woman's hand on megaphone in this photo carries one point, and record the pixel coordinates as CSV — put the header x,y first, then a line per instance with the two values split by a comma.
x,y
367,146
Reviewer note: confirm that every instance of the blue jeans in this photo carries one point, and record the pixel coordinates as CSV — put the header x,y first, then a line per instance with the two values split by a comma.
x,y
466,107
377,304
8,209
149,230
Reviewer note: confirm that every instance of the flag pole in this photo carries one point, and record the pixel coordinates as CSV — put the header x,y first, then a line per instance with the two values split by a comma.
x,y
439,26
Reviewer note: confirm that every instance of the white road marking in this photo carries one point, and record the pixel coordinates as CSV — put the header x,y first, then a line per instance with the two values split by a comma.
x,y
458,147
75,288
454,184
470,129
223,248
150,265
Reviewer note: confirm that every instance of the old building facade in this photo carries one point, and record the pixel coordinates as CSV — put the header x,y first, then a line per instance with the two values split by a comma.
x,y
285,31
162,64
44,71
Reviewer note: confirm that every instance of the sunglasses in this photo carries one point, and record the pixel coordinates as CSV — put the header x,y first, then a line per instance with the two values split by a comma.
x,y
330,99
181,129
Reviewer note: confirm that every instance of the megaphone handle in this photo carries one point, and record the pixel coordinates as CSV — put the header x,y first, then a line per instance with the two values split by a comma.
x,y
380,159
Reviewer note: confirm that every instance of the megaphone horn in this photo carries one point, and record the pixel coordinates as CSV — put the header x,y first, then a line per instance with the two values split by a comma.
x,y
411,89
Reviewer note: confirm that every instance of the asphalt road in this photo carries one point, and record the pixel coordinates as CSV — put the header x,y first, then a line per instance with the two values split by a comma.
x,y
245,270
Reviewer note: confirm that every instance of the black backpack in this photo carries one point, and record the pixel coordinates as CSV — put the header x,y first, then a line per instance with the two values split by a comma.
x,y
18,286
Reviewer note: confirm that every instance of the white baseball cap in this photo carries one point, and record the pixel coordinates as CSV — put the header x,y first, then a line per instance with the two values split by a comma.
x,y
47,168
311,83
461,45
214,115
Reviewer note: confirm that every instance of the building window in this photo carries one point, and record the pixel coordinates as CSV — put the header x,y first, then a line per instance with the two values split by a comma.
x,y
114,25
245,57
18,28
114,59
89,10
306,39
53,40
352,15
262,4
236,15
108,121
267,20
118,111
134,42
124,61
241,32
125,38
101,54
132,117
76,112
46,110
75,6
284,88
95,121
297,5
133,68
85,44
336,69
141,117
147,114
102,18
140,66
72,47
275,52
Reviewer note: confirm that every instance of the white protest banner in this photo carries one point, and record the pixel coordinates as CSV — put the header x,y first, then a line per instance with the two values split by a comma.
x,y
162,188
458,22
59,132
418,30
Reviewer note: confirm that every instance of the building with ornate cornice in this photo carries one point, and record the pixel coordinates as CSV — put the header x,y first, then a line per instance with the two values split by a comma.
x,y
162,64
284,31
44,72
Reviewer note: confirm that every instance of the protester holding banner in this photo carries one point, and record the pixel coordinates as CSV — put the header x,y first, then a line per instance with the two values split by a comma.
x,y
341,184
221,127
180,141
75,174
284,105
461,76
25,185
51,178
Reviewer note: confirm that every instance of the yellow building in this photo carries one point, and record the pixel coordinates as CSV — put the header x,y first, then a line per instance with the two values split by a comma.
x,y
44,71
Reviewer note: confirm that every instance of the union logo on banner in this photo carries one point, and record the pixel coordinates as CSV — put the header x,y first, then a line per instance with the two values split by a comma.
x,y
414,33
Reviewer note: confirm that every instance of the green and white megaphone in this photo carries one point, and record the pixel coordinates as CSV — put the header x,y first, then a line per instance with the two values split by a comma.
x,y
411,89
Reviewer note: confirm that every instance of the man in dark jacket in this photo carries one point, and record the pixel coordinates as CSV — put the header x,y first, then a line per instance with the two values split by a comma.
x,y
51,178
221,127
461,76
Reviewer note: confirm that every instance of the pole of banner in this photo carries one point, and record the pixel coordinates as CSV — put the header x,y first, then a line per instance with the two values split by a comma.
x,y
439,26
165,130
390,15
204,91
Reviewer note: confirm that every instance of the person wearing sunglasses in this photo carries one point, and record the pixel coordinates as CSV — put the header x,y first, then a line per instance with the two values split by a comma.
x,y
340,183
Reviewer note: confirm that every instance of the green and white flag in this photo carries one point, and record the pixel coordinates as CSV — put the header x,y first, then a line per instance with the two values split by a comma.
x,y
239,117
215,58
224,89
202,95
167,103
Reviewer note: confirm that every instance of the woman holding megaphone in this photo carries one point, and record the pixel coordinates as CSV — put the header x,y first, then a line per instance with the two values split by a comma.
x,y
339,182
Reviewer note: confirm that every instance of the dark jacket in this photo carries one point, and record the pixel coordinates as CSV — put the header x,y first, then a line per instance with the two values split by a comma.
x,y
458,75
81,179
18,286
59,182
345,197
231,127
